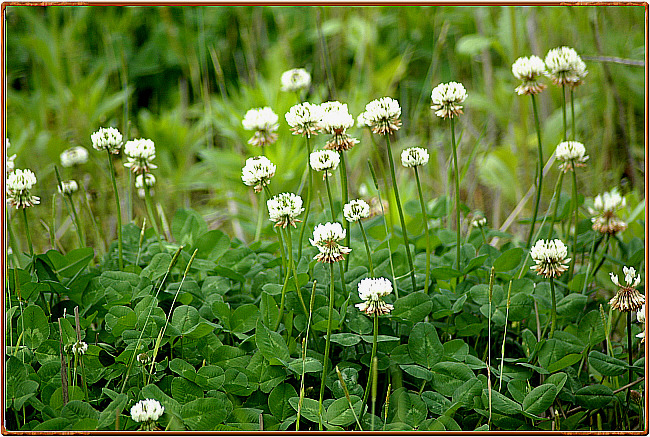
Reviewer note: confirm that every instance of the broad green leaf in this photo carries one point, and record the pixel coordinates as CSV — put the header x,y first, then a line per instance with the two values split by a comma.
x,y
210,377
187,226
73,262
413,307
406,407
558,379
108,414
308,409
271,344
339,412
500,403
185,391
244,318
509,259
594,396
76,410
566,361
212,245
206,413
539,399
279,401
424,345
37,328
185,318
417,371
606,365
157,267
345,339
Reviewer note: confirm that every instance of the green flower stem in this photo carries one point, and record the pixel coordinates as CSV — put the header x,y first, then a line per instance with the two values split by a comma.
x,y
573,117
592,254
629,358
344,199
341,268
453,147
554,308
308,204
284,292
98,233
365,241
564,113
602,258
147,201
260,217
111,170
540,170
77,222
425,221
293,268
29,236
327,347
267,190
12,239
575,222
372,357
401,213
558,190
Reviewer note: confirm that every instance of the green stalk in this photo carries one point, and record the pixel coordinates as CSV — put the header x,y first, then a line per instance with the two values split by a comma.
x,y
365,241
347,396
602,258
284,291
401,213
564,113
575,225
293,268
457,194
370,381
111,170
554,308
147,201
341,268
309,193
267,190
260,217
592,252
505,332
558,190
629,358
344,199
82,240
304,355
327,348
573,116
29,236
12,239
425,222
540,170
98,234
374,393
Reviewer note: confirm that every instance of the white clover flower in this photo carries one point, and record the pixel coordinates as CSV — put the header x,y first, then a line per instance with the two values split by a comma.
x,y
7,143
335,120
295,79
529,70
74,156
371,290
19,182
265,124
640,315
414,156
304,119
147,411
107,139
143,358
324,160
572,154
79,348
627,298
68,187
326,238
565,67
139,154
147,178
447,98
355,210
11,164
362,121
605,207
478,222
550,258
257,172
383,115
284,208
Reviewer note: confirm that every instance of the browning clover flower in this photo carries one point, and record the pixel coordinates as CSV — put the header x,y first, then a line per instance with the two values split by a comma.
x,y
326,238
565,67
529,70
627,298
371,291
447,98
414,156
355,210
382,115
295,79
19,182
147,412
139,154
284,208
265,124
68,187
257,172
304,119
107,138
336,120
572,155
74,156
550,258
605,207
324,160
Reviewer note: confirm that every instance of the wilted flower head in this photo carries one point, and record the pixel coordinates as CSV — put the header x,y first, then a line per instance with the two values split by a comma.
x,y
147,411
529,70
148,178
371,291
550,258
107,138
324,160
295,79
265,124
304,119
284,208
382,115
68,187
572,154
18,185
355,210
79,348
565,67
257,172
414,156
447,98
335,120
605,207
74,156
139,154
326,238
627,298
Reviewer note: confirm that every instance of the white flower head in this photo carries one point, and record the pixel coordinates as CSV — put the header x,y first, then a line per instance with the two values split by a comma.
x,y
640,315
107,138
326,238
257,172
11,164
414,156
362,121
265,124
79,348
147,178
479,221
550,258
68,187
627,298
284,208
383,115
355,210
325,161
74,156
295,79
371,290
304,119
335,120
605,207
572,154
139,154
565,67
447,98
147,411
529,70
19,182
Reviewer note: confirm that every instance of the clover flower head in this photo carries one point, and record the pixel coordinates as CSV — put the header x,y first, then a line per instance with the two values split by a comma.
x,y
19,182
640,315
107,138
68,187
139,154
479,221
265,124
326,238
325,161
257,172
295,79
627,297
362,120
147,178
383,115
605,207
143,358
572,154
355,210
550,258
414,156
565,67
284,208
79,348
529,70
11,164
74,156
447,98
371,291
147,411
304,119
335,120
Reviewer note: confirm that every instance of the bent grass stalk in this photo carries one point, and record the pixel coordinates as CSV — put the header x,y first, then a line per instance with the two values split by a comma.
x,y
425,222
309,194
81,361
287,237
347,396
457,193
140,241
374,392
540,170
327,348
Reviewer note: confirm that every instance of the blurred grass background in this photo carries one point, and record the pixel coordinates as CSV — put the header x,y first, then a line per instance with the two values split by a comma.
x,y
184,76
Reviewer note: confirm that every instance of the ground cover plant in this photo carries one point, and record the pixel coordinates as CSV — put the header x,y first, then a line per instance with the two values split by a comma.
x,y
300,225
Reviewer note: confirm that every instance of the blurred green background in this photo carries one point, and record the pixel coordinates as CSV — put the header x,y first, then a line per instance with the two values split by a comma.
x,y
184,77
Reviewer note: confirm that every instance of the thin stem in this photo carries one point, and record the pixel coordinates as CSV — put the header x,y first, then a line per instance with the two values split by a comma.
x,y
554,308
602,258
564,113
344,199
425,222
260,217
575,224
267,190
309,194
365,241
147,201
12,239
592,252
111,170
457,194
401,213
284,291
375,332
629,358
29,236
327,347
558,190
77,222
98,233
573,116
341,268
293,268
540,170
